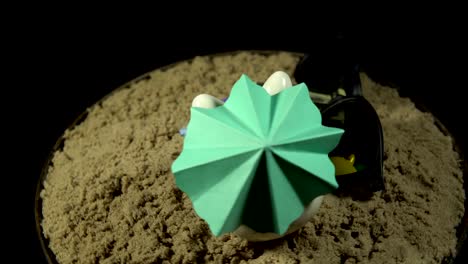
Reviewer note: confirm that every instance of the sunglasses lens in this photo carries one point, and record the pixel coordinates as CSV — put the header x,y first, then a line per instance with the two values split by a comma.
x,y
361,144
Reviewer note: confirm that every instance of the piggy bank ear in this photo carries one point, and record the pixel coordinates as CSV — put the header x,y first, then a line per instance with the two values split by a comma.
x,y
206,101
277,82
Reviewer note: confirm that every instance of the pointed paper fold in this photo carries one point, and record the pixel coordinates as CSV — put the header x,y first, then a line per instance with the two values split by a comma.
x,y
256,160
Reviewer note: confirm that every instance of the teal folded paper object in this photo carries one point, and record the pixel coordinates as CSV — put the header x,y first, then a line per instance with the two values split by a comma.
x,y
257,160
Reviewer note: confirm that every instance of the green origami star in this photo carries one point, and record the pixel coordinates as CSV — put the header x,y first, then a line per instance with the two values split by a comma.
x,y
256,160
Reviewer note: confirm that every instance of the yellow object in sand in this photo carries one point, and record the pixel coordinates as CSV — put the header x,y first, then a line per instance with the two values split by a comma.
x,y
344,166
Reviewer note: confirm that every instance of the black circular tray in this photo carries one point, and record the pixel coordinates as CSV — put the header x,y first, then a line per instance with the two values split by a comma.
x,y
462,230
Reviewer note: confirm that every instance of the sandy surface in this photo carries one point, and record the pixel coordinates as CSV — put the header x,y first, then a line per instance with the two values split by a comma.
x,y
110,196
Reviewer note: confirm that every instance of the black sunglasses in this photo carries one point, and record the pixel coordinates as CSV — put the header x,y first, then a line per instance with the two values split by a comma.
x,y
337,93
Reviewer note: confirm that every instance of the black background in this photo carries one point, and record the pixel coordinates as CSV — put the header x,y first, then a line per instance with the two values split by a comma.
x,y
60,69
